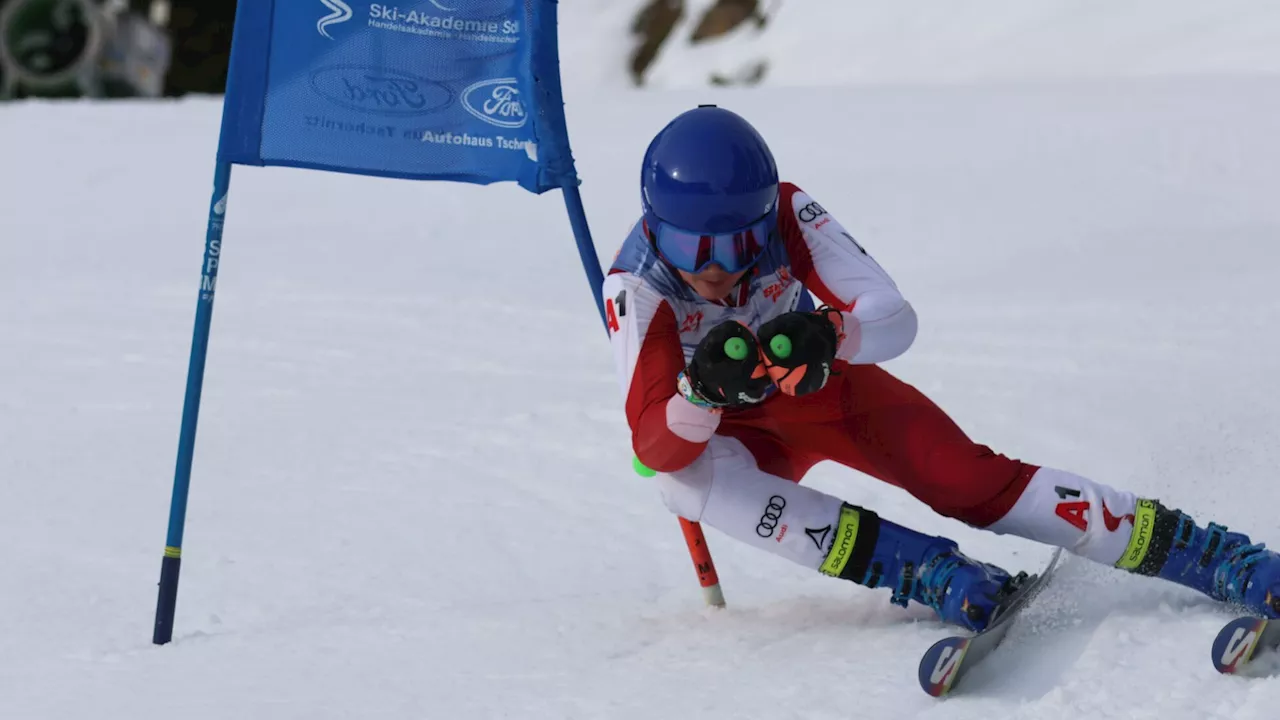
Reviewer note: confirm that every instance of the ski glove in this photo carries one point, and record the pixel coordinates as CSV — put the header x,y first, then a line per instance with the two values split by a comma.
x,y
799,349
726,370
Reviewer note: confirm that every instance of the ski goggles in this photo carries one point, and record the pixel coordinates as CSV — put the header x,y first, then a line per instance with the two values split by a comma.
x,y
693,252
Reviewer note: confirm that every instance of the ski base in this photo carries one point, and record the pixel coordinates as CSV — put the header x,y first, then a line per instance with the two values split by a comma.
x,y
1242,641
947,661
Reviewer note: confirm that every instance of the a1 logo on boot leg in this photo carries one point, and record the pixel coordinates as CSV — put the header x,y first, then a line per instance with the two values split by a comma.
x,y
1073,511
1076,511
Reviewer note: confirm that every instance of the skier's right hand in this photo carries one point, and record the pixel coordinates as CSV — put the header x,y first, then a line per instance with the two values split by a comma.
x,y
799,348
727,369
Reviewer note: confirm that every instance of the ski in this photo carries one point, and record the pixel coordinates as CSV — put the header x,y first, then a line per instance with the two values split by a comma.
x,y
1242,641
946,662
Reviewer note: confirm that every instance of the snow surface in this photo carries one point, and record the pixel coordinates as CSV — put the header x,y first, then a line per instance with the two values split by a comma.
x,y
412,495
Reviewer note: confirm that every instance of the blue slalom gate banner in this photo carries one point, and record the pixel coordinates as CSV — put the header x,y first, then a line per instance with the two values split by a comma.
x,y
436,90
454,90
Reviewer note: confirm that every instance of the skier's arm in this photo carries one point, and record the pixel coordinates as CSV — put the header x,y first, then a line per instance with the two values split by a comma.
x,y
667,431
879,323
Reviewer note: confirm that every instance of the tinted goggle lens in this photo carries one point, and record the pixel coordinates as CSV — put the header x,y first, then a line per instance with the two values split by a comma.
x,y
694,252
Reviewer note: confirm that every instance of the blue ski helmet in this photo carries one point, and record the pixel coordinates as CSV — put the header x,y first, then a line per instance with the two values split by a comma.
x,y
709,188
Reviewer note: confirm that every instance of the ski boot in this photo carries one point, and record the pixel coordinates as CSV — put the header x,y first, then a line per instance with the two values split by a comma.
x,y
963,591
929,570
1226,566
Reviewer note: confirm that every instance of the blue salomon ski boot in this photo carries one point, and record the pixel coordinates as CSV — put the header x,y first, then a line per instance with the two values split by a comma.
x,y
1226,566
927,569
963,591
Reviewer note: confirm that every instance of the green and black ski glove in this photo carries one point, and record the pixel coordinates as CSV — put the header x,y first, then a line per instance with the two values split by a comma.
x,y
727,369
799,349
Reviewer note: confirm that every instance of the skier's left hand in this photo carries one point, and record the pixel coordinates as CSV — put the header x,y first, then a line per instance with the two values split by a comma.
x,y
727,369
799,349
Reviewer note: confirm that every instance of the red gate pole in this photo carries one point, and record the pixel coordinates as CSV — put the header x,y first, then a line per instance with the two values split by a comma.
x,y
702,562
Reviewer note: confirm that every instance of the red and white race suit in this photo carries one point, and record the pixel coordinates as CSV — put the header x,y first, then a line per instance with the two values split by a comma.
x,y
738,469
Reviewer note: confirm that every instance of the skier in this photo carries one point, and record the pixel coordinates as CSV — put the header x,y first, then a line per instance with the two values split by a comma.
x,y
735,384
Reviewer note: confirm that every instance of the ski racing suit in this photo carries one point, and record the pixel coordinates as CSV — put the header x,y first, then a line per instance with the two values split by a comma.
x,y
739,470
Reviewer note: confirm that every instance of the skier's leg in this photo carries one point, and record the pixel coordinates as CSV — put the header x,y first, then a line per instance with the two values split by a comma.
x,y
902,437
725,489
887,429
1142,536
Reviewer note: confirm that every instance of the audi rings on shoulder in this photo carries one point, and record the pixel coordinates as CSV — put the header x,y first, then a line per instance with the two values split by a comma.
x,y
772,513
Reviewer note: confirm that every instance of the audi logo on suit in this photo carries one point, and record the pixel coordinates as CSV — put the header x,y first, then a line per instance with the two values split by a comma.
x,y
772,513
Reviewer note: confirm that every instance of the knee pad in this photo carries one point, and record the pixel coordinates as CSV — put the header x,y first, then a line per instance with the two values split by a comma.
x,y
685,491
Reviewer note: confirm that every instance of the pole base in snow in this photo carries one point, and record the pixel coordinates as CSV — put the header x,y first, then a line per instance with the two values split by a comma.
x,y
168,599
713,595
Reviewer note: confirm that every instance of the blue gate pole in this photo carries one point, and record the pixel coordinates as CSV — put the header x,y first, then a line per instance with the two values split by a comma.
x,y
586,248
172,561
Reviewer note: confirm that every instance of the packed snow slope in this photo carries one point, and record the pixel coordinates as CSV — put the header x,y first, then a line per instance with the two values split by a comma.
x,y
817,43
412,494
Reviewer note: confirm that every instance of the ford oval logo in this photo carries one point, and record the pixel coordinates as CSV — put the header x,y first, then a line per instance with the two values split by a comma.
x,y
380,90
496,102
